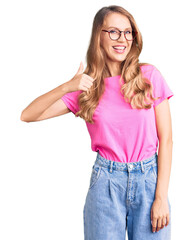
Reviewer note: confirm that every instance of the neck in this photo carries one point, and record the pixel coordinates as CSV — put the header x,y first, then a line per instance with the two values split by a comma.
x,y
114,68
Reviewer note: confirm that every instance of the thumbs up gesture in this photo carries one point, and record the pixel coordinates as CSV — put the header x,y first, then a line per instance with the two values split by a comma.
x,y
80,81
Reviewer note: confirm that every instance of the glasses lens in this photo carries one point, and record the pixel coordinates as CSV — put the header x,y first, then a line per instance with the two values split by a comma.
x,y
114,34
128,35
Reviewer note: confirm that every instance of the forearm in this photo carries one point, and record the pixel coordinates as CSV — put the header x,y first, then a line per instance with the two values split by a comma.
x,y
164,168
41,103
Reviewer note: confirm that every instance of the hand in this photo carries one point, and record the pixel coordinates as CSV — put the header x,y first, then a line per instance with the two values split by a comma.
x,y
159,214
80,81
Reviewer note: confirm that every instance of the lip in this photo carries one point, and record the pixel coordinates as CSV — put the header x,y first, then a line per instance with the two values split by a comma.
x,y
119,51
119,46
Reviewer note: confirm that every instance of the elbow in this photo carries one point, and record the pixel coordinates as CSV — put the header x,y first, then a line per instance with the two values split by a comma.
x,y
166,138
167,141
23,118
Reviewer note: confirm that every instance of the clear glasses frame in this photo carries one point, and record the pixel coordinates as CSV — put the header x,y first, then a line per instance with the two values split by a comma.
x,y
134,34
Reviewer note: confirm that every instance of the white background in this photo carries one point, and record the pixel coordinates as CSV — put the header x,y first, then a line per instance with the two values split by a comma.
x,y
45,166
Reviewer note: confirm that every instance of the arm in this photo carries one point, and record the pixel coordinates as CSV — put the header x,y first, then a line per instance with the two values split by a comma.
x,y
50,104
47,105
160,208
164,131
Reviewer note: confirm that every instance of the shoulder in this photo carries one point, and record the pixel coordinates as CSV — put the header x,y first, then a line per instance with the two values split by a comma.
x,y
146,67
149,71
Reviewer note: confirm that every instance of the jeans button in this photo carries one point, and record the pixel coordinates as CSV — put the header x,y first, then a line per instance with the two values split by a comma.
x,y
130,166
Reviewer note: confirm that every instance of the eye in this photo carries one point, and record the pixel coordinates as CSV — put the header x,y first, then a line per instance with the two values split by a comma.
x,y
113,31
127,32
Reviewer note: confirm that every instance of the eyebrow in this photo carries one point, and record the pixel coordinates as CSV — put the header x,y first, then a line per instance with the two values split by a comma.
x,y
118,28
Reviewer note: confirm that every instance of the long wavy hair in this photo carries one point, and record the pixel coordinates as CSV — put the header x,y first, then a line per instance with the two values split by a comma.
x,y
136,90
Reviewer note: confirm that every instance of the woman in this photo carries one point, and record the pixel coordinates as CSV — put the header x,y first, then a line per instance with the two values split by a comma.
x,y
125,106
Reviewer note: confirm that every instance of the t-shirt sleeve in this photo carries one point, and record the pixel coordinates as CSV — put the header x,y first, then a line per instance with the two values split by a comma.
x,y
71,100
160,87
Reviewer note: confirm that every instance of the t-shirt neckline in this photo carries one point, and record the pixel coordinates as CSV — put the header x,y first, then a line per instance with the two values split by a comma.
x,y
117,76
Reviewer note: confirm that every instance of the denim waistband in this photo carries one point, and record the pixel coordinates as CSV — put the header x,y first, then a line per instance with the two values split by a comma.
x,y
131,166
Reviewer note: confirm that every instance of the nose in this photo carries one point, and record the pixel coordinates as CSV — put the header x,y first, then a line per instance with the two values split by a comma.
x,y
122,37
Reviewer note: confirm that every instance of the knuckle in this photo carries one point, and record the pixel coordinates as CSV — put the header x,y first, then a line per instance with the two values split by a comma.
x,y
83,74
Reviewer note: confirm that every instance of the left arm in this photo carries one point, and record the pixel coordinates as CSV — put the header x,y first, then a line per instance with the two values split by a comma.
x,y
160,208
164,131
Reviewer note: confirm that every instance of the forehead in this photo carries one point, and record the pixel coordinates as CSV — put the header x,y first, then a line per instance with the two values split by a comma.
x,y
117,20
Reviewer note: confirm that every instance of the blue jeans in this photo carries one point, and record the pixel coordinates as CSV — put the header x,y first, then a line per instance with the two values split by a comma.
x,y
119,198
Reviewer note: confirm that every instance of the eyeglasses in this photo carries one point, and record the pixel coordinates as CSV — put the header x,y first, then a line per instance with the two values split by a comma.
x,y
116,34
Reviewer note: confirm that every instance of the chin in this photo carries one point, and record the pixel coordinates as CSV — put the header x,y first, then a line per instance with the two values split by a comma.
x,y
120,59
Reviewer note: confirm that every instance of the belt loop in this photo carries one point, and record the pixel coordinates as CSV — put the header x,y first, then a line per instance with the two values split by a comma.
x,y
99,171
128,168
142,167
111,163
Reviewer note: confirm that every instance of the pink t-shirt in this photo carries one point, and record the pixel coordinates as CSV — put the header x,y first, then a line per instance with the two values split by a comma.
x,y
120,133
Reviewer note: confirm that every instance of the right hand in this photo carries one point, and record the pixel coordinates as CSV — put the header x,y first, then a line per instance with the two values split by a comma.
x,y
80,81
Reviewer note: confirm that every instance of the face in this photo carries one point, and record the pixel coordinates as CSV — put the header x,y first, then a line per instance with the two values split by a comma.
x,y
111,22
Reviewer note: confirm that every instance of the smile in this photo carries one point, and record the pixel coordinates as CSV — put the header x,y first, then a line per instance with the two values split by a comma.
x,y
119,49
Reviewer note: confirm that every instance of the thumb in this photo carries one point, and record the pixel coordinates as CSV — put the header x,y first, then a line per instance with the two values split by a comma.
x,y
81,68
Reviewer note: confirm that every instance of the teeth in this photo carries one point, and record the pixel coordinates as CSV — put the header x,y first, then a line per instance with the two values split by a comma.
x,y
120,48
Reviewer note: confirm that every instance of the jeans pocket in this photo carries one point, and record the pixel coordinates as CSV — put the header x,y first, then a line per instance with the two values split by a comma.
x,y
152,174
96,171
155,170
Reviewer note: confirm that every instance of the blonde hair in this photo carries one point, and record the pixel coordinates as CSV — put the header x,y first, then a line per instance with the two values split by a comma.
x,y
136,89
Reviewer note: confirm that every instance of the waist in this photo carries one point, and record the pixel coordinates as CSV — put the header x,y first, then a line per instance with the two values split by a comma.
x,y
132,166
